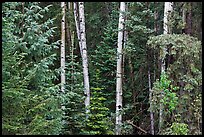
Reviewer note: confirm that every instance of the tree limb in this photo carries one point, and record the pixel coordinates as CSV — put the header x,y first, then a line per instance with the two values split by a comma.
x,y
131,123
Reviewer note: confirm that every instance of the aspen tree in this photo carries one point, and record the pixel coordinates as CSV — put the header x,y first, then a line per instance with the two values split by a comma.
x,y
154,74
119,70
63,48
168,7
125,39
76,18
62,59
84,55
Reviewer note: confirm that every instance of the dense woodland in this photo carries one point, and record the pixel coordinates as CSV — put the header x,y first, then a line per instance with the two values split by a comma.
x,y
101,68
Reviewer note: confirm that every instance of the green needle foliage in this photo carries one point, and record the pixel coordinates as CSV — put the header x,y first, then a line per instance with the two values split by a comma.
x,y
30,99
73,97
103,58
98,122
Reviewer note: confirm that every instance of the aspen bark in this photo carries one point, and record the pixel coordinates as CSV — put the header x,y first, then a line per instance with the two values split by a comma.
x,y
76,18
119,70
168,7
84,55
69,5
150,100
63,56
63,48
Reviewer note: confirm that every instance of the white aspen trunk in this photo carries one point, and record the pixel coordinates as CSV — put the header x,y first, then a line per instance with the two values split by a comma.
x,y
168,7
154,74
84,55
150,100
63,48
69,5
119,70
63,56
76,16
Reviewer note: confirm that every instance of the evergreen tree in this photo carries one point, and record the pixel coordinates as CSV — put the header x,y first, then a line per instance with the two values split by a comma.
x,y
27,76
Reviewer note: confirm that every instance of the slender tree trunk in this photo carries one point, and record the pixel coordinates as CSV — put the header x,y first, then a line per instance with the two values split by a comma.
x,y
167,9
188,29
119,70
150,100
72,58
63,48
125,38
156,18
184,16
148,52
76,18
150,91
84,55
68,37
63,56
69,6
156,32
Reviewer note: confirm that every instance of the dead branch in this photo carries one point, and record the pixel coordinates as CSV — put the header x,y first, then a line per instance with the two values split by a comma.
x,y
129,122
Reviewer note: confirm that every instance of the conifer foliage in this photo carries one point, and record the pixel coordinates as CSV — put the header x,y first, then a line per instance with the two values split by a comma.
x,y
30,98
127,68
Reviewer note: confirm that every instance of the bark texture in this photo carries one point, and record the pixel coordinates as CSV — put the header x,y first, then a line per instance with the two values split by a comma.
x,y
63,48
84,55
76,18
119,70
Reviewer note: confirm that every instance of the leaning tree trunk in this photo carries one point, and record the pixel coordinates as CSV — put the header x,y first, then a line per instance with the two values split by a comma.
x,y
119,70
76,18
63,48
84,55
168,7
